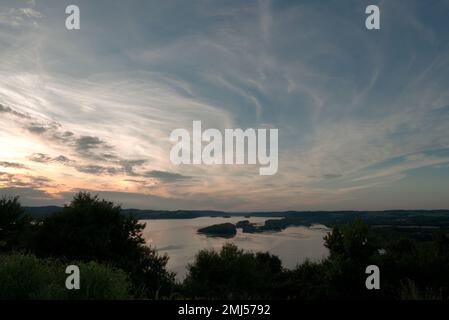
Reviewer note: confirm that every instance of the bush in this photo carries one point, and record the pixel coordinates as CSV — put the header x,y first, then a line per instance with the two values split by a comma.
x,y
27,277
232,274
308,281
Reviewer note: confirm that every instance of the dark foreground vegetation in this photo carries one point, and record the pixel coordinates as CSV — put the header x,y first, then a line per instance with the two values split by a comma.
x,y
115,263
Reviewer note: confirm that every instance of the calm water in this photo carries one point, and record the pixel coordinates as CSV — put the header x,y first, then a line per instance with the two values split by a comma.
x,y
180,240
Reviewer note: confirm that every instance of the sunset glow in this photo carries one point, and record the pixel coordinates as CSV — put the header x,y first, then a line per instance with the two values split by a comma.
x,y
93,109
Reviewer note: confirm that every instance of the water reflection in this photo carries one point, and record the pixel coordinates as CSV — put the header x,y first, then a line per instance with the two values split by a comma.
x,y
180,240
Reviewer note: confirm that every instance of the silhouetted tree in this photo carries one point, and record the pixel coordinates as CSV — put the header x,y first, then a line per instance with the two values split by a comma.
x,y
90,229
352,241
232,273
352,248
308,281
13,224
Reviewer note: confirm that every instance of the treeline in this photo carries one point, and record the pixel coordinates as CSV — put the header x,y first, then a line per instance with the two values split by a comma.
x,y
116,263
290,218
408,220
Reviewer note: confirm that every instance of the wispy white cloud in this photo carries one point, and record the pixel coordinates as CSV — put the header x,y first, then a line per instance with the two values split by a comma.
x,y
343,99
20,17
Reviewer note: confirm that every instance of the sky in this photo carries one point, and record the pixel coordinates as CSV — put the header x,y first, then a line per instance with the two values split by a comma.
x,y
363,115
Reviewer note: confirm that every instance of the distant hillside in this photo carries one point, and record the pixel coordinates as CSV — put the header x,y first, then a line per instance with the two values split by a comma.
x,y
423,218
141,214
178,214
42,211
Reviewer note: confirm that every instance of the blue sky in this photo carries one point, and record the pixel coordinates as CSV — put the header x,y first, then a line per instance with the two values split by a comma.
x,y
362,115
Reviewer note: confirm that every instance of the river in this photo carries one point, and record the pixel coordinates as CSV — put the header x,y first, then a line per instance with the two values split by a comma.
x,y
180,240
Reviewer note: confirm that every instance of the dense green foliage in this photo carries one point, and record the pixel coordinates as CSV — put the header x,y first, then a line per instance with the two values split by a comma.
x,y
232,274
27,277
